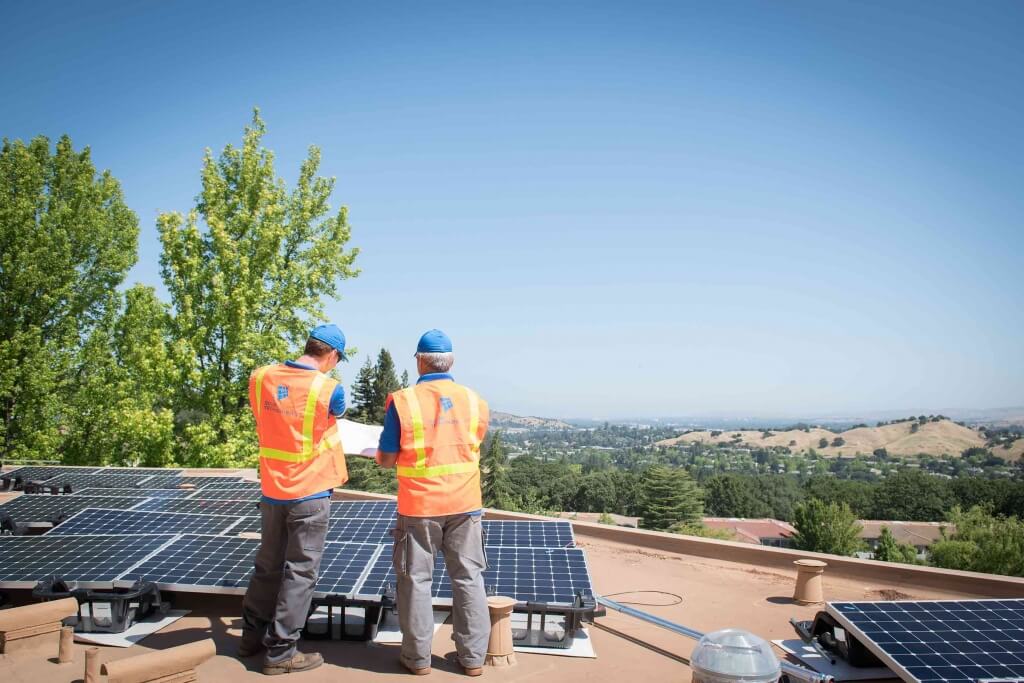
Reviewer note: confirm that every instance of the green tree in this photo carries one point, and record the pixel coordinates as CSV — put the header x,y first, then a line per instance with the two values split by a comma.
x,y
891,550
822,443
405,379
982,542
362,394
826,528
67,239
859,495
596,492
730,495
912,495
385,381
246,272
365,475
495,481
669,497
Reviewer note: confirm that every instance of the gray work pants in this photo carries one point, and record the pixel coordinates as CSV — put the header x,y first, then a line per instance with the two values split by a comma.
x,y
277,601
460,538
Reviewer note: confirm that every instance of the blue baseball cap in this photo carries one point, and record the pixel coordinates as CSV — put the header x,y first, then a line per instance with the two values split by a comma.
x,y
434,341
332,336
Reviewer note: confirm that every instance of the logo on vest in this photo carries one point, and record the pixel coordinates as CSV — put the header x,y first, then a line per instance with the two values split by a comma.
x,y
282,392
446,403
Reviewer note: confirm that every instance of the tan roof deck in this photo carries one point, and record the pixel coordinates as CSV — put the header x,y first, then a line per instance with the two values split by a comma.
x,y
722,584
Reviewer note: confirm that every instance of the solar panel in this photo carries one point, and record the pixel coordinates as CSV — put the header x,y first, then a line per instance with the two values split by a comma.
x,y
207,493
42,473
552,575
553,534
132,493
343,566
100,521
140,471
198,564
234,508
247,525
106,481
92,561
354,530
174,481
942,640
27,509
365,509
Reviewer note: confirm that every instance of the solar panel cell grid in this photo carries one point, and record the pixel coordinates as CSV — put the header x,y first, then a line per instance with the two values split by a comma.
x,y
214,564
342,567
100,521
235,508
42,473
132,493
92,561
77,481
28,509
246,525
553,534
348,530
949,641
365,509
208,493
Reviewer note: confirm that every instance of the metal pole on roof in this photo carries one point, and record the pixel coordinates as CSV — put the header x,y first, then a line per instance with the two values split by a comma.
x,y
793,671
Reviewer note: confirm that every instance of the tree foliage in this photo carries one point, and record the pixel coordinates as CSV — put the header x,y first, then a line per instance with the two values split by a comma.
x,y
669,497
67,239
247,271
891,550
371,388
495,482
982,542
826,528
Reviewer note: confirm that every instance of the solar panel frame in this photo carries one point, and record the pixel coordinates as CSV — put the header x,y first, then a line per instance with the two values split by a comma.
x,y
344,566
43,472
142,471
925,641
365,509
231,508
529,534
42,509
93,521
90,561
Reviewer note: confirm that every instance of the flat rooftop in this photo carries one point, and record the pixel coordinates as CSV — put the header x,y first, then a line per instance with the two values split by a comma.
x,y
719,584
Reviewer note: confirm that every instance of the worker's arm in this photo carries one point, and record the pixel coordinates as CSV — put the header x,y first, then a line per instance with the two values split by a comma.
x,y
390,436
386,460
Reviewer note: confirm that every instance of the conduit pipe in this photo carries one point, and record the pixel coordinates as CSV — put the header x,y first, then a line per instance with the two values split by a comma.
x,y
792,671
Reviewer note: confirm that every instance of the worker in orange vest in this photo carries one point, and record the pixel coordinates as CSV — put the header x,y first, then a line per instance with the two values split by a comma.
x,y
296,406
432,435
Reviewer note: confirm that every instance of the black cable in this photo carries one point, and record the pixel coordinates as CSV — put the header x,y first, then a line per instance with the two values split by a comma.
x,y
678,598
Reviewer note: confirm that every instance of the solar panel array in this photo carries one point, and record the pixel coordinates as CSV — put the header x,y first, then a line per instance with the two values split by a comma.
x,y
953,641
120,525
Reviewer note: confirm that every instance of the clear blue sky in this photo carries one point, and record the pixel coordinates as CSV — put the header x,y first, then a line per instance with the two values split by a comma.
x,y
613,209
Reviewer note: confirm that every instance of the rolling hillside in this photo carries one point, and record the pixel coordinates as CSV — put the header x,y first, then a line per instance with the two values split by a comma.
x,y
510,421
935,438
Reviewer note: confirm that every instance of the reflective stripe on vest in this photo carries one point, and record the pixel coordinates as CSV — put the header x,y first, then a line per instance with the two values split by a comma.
x,y
419,441
308,417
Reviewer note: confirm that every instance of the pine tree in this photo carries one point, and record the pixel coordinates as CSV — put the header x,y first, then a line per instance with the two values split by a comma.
x,y
496,484
362,394
385,381
405,379
669,496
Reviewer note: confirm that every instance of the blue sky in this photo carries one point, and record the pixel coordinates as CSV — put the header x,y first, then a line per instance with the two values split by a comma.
x,y
614,209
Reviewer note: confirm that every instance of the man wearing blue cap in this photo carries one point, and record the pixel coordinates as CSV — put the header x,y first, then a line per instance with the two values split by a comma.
x,y
296,406
432,436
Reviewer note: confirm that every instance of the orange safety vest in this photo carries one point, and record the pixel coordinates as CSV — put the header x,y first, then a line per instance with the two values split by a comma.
x,y
438,466
300,447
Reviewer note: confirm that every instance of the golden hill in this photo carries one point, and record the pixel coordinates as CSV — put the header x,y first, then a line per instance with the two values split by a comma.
x,y
934,438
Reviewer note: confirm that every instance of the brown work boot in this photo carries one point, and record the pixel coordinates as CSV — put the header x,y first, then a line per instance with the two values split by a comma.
x,y
474,671
422,671
301,661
